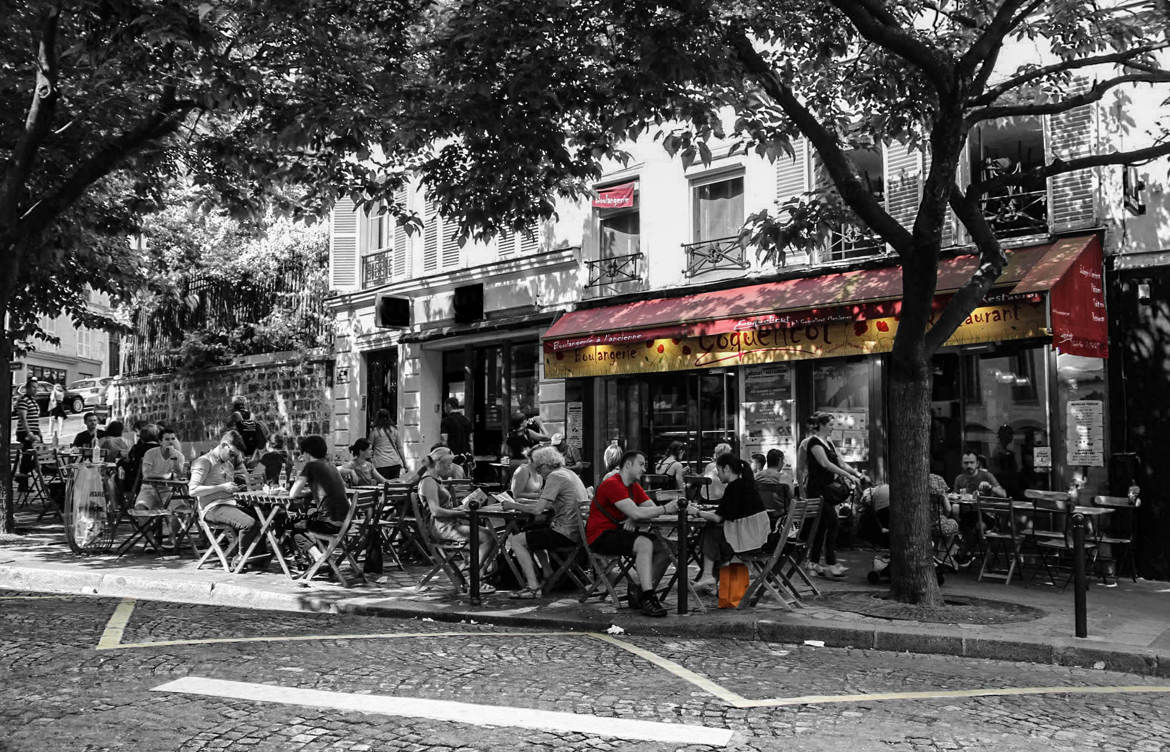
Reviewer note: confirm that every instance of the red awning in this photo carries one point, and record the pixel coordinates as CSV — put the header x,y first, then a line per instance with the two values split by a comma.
x,y
841,295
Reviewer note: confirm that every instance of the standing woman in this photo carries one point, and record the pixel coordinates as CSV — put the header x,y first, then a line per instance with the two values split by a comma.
x,y
387,451
56,410
672,464
828,478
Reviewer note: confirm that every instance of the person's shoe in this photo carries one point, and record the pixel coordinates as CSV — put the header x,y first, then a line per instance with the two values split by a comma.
x,y
812,569
651,606
837,570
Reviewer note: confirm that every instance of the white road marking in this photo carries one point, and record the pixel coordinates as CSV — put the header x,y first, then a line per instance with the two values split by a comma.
x,y
700,681
949,694
458,712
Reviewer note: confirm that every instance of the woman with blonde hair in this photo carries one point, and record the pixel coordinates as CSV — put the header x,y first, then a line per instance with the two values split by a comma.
x,y
717,486
448,519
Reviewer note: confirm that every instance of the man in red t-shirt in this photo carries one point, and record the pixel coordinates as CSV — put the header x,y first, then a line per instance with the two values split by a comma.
x,y
619,504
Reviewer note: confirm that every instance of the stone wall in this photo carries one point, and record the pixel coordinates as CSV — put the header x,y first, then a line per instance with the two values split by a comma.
x,y
290,393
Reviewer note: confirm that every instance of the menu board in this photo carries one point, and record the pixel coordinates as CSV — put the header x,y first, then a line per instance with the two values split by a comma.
x,y
574,424
768,409
1085,433
850,432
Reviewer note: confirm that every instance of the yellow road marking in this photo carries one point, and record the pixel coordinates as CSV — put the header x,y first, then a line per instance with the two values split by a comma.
x,y
953,694
112,636
38,597
702,682
306,638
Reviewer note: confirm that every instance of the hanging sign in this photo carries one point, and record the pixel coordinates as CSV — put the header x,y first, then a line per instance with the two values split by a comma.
x,y
616,197
1079,324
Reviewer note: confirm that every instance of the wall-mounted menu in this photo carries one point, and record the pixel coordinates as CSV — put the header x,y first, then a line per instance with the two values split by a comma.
x,y
1085,433
768,410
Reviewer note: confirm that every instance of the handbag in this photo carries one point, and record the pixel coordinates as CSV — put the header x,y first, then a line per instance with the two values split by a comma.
x,y
733,583
835,492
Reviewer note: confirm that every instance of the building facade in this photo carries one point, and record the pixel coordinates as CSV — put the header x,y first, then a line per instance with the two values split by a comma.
x,y
81,353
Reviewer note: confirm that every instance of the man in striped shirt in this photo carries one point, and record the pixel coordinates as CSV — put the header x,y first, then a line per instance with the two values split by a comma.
x,y
28,412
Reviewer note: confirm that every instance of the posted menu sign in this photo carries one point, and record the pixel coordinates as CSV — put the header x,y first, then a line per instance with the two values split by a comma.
x,y
1085,433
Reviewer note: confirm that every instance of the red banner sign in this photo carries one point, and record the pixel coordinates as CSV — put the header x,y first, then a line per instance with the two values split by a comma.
x,y
617,197
1079,324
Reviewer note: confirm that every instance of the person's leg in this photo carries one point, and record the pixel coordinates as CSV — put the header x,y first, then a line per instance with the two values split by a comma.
x,y
245,525
829,525
709,543
519,544
644,562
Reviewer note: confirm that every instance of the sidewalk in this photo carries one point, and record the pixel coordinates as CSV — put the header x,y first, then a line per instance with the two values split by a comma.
x,y
1129,626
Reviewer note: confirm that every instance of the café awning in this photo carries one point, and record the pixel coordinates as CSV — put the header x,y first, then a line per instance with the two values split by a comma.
x,y
1065,268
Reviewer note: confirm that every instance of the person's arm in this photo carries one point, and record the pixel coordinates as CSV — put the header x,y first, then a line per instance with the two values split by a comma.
x,y
378,476
818,453
196,486
647,510
300,487
996,487
428,489
520,482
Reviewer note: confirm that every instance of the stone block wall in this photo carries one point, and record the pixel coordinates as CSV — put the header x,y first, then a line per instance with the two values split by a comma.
x,y
290,394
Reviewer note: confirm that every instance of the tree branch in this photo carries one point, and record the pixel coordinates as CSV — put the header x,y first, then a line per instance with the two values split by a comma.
x,y
857,196
997,91
1094,94
879,26
38,121
991,264
163,121
988,43
959,18
1062,166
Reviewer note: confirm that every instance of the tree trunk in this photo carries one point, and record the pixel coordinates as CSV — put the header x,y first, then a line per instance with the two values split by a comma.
x,y
912,575
7,498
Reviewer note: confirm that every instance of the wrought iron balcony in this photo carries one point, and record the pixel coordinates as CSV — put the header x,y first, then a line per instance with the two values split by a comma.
x,y
1017,213
377,268
851,241
614,270
715,255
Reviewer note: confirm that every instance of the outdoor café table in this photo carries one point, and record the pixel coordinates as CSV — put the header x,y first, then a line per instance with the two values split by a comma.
x,y
512,519
174,489
685,524
267,507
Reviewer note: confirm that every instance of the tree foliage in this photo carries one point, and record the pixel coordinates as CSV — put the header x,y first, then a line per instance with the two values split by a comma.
x,y
532,100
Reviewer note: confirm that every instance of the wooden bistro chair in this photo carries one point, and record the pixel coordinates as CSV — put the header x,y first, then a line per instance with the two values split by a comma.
x,y
803,520
343,546
46,473
569,562
1002,539
217,536
763,566
400,535
443,556
1120,528
15,454
599,579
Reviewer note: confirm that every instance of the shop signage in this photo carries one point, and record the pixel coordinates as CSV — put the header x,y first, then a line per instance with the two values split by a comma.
x,y
1042,457
1085,433
1079,324
1008,319
617,197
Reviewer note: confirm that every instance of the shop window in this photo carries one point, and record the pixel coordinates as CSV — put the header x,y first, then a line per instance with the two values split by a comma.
x,y
841,388
1080,424
525,377
1011,146
1006,415
43,373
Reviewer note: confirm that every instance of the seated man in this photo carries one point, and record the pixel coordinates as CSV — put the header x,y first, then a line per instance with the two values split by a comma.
x,y
320,478
162,462
974,479
774,484
215,477
86,438
563,493
610,530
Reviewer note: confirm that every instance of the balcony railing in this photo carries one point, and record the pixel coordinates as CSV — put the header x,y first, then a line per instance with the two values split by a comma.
x,y
614,270
377,268
851,241
715,255
1019,213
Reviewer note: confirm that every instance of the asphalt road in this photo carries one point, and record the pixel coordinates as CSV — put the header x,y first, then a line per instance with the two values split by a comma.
x,y
98,674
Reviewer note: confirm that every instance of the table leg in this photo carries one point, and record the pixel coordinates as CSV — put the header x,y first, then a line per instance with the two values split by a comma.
x,y
265,525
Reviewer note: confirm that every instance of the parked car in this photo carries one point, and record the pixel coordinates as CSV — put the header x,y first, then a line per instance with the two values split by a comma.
x,y
74,402
95,392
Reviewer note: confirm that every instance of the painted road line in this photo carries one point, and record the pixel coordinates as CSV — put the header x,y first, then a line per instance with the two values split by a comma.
x,y
953,694
457,712
702,682
307,638
112,636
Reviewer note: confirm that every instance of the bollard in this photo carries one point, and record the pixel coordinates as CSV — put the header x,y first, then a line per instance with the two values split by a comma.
x,y
683,555
1079,582
473,565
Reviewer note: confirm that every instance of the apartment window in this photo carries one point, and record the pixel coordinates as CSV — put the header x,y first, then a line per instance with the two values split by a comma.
x,y
84,343
1006,147
375,234
619,233
718,208
853,240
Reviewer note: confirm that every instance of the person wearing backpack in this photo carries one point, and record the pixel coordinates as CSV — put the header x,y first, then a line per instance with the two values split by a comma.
x,y
672,464
252,431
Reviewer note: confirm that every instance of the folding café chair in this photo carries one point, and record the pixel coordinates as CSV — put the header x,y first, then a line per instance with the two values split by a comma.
x,y
600,565
805,516
45,474
1002,537
568,562
443,556
1120,528
339,547
23,497
217,535
397,523
763,564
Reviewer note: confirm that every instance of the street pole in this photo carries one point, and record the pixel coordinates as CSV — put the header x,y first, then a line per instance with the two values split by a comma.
x,y
1079,582
473,510
683,556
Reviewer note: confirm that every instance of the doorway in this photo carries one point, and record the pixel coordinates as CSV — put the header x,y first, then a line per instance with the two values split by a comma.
x,y
381,384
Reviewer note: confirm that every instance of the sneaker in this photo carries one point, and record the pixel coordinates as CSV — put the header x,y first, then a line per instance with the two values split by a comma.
x,y
838,570
651,606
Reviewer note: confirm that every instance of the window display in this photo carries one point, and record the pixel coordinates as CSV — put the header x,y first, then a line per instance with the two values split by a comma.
x,y
768,414
842,390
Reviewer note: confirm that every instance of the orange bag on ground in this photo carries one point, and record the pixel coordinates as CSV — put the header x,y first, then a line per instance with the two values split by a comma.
x,y
733,583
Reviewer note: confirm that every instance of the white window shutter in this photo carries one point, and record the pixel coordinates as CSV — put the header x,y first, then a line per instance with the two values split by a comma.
x,y
792,173
343,245
506,243
1068,135
401,240
530,239
430,238
450,244
903,183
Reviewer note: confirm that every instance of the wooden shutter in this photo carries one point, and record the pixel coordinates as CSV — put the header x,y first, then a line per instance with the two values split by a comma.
x,y
343,234
792,180
530,239
450,243
401,240
1068,135
430,237
903,183
506,243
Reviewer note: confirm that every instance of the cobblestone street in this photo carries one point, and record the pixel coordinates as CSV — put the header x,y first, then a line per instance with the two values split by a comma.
x,y
84,674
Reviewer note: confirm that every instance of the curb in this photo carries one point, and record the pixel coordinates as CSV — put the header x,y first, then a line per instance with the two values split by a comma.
x,y
901,638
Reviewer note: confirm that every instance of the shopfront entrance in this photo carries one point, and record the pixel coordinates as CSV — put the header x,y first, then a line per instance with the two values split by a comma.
x,y
493,383
381,384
